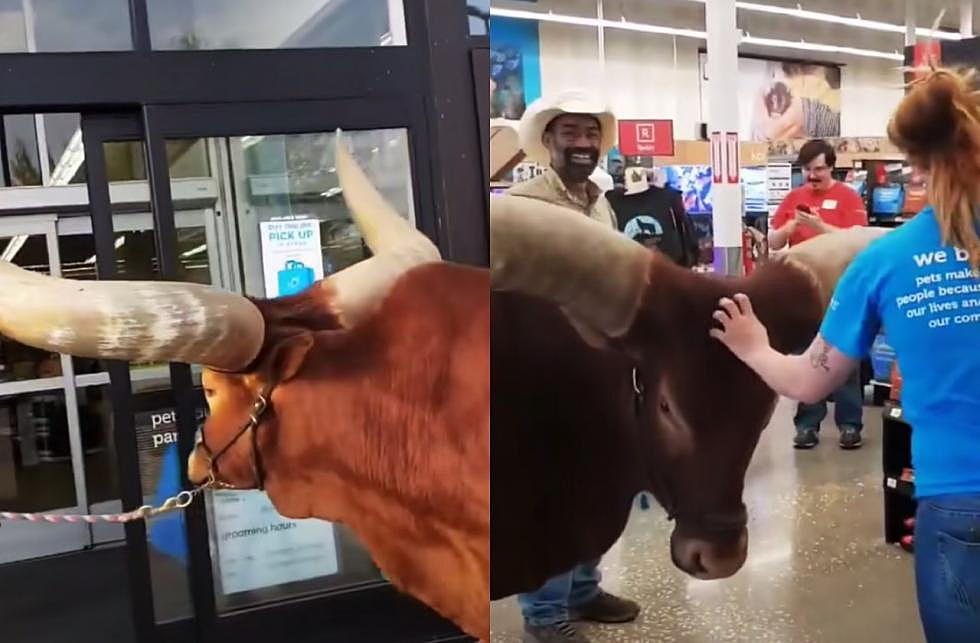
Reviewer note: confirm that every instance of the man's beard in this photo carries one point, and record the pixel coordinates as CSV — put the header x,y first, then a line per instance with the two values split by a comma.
x,y
580,162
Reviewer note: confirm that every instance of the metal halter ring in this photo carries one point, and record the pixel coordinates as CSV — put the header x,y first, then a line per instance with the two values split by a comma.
x,y
257,409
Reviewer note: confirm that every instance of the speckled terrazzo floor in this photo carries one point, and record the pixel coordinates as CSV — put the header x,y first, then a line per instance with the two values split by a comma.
x,y
818,569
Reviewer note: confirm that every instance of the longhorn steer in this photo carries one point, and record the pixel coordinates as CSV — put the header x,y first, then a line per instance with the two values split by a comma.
x,y
606,383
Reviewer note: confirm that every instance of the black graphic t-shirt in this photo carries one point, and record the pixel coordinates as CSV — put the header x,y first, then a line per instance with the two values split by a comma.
x,y
656,218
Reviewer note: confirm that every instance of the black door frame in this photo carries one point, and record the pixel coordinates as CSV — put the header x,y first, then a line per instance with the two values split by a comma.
x,y
96,130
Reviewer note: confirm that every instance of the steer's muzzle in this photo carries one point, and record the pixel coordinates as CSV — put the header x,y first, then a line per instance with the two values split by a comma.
x,y
709,557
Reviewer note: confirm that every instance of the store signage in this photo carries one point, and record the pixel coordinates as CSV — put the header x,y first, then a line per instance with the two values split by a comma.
x,y
292,258
160,478
259,548
156,429
717,157
925,55
731,157
646,138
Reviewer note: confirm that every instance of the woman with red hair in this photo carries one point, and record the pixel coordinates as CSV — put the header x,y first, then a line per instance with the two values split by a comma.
x,y
922,283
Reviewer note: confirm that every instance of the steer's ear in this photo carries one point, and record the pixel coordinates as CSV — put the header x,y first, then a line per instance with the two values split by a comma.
x,y
288,355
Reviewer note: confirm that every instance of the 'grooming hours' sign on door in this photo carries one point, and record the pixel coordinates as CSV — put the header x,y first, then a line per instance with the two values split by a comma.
x,y
259,548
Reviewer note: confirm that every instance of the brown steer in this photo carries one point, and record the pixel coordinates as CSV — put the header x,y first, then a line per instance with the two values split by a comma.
x,y
606,383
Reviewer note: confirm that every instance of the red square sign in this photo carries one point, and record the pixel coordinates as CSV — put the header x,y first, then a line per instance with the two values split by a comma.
x,y
646,138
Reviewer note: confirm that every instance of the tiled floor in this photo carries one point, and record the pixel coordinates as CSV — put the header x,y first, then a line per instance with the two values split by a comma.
x,y
818,568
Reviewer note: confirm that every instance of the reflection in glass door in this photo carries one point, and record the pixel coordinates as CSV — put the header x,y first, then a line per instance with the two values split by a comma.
x,y
42,440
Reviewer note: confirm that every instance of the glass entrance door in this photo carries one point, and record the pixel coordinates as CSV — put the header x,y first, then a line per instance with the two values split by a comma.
x,y
293,228
283,224
43,438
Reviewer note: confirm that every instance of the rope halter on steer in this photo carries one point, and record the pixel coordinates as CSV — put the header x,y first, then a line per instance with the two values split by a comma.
x,y
252,426
183,499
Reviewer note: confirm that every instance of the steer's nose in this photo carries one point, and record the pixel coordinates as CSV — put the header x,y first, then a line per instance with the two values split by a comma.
x,y
709,560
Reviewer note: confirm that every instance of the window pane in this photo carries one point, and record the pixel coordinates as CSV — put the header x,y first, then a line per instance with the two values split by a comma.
x,y
17,361
54,153
98,442
35,452
36,471
286,24
64,25
23,164
479,15
291,178
125,162
66,152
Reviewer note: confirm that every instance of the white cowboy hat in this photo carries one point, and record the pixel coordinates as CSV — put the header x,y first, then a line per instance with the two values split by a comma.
x,y
547,108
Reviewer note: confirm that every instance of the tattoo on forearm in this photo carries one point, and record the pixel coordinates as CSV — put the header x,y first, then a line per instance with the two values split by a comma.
x,y
820,358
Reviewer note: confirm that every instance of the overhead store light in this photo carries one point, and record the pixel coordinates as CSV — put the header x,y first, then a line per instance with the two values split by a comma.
x,y
857,21
812,46
595,22
195,251
687,33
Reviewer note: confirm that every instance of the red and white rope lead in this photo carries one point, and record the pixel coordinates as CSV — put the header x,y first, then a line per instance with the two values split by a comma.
x,y
72,518
180,501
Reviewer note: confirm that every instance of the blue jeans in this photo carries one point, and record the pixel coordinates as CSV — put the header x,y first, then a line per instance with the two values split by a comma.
x,y
848,409
947,567
550,603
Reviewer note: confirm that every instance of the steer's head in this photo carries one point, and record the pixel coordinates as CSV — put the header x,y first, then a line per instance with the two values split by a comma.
x,y
252,349
243,419
705,408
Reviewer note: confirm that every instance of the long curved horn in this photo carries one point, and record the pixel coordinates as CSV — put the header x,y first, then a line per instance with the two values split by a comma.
x,y
129,320
594,273
397,246
827,256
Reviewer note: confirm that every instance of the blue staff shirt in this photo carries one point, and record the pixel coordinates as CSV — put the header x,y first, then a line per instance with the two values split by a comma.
x,y
927,299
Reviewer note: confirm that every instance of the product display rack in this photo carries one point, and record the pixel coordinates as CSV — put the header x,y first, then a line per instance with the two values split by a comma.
x,y
899,477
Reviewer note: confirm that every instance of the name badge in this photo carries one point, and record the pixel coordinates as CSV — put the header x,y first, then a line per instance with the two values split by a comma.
x,y
829,204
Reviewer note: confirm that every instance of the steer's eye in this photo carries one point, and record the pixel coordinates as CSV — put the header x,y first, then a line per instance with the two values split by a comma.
x,y
208,392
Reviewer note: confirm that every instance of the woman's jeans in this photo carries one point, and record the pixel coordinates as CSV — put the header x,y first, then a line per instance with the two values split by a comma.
x,y
947,567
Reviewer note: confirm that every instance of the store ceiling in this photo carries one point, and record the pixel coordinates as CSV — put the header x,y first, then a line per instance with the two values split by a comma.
x,y
689,14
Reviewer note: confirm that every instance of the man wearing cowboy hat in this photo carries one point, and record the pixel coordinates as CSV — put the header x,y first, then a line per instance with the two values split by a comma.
x,y
568,133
